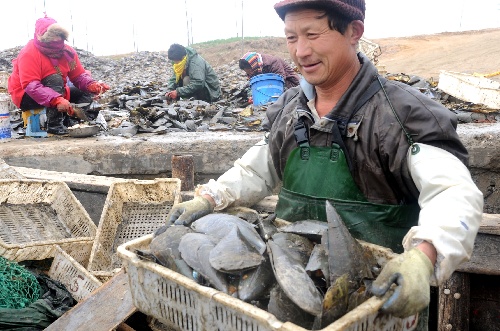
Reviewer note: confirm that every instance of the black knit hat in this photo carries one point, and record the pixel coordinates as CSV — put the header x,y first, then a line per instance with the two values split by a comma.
x,y
176,52
352,9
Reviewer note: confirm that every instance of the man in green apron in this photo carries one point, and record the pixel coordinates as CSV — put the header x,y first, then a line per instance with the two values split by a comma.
x,y
385,155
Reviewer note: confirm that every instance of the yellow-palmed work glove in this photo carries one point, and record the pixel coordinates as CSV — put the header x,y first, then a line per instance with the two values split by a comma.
x,y
187,212
411,272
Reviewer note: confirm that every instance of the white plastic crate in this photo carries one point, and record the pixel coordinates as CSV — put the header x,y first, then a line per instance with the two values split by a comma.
x,y
133,208
77,280
181,304
470,88
156,325
7,172
37,215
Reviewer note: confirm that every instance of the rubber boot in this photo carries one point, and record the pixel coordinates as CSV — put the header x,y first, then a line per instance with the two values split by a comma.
x,y
55,122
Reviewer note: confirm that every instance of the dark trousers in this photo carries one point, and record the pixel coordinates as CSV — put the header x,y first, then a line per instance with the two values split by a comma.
x,y
59,120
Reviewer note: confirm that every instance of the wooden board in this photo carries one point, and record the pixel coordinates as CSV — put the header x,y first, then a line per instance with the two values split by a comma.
x,y
490,224
454,298
107,308
485,257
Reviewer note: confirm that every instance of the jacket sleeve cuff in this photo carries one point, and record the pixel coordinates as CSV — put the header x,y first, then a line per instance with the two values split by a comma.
x,y
218,192
40,93
82,81
251,179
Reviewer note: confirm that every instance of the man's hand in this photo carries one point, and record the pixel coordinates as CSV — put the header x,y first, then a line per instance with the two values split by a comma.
x,y
187,212
172,95
62,105
411,272
97,88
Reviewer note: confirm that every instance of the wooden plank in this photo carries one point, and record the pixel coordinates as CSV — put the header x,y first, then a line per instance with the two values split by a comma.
x,y
485,257
490,224
107,308
454,298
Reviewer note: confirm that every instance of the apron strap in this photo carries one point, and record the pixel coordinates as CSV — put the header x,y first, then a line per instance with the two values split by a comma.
x,y
339,128
415,148
374,87
300,133
338,141
302,138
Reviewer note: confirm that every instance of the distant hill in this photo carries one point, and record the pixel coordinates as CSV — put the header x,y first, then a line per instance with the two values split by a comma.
x,y
222,52
424,56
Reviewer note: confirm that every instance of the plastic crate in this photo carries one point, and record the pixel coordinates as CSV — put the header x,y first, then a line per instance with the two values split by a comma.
x,y
133,208
78,281
156,325
37,215
470,88
7,172
182,304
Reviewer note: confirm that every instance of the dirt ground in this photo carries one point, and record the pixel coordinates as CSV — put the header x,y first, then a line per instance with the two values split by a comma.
x,y
424,56
467,52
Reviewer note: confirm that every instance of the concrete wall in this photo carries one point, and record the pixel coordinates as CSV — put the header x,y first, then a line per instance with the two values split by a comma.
x,y
214,152
483,142
149,156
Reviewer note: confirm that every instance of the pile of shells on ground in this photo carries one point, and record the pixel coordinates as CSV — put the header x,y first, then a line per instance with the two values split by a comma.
x,y
136,102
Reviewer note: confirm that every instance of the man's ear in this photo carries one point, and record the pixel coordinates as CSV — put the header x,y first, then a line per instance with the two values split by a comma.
x,y
358,28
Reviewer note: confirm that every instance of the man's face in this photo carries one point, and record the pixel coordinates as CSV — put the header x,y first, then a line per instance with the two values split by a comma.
x,y
318,51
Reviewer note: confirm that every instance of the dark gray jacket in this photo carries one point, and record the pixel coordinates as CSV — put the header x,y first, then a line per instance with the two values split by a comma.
x,y
379,153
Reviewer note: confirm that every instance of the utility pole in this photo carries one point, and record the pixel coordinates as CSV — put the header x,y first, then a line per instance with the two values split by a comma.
x,y
72,30
87,35
187,21
462,14
133,37
242,35
236,18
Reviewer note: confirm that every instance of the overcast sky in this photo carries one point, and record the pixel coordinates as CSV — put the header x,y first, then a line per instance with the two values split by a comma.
x,y
116,27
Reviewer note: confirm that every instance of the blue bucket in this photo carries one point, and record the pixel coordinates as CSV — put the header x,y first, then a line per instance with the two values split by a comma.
x,y
266,88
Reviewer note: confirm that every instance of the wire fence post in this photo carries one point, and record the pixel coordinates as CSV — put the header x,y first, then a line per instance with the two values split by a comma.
x,y
187,22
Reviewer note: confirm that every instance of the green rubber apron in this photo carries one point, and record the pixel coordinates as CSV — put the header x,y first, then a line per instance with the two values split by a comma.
x,y
324,175
315,174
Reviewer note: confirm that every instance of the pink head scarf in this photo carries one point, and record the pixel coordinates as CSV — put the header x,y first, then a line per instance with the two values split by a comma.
x,y
42,24
52,49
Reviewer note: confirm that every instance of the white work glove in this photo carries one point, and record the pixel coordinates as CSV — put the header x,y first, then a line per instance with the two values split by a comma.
x,y
411,272
187,212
